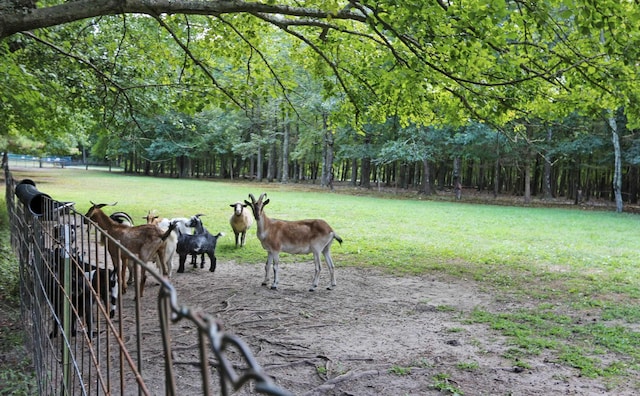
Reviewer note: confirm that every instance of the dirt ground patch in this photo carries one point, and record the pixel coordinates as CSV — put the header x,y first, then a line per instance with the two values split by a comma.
x,y
374,334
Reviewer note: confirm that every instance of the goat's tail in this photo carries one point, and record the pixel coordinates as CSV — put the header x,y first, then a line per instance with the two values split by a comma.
x,y
172,226
337,238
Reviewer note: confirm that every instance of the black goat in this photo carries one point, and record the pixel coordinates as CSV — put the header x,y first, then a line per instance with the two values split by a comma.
x,y
84,277
200,242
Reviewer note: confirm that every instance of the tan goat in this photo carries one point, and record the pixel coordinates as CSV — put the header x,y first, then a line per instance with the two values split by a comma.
x,y
145,241
241,220
295,237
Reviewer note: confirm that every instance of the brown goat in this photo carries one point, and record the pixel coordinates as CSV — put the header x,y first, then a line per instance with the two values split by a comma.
x,y
295,237
145,241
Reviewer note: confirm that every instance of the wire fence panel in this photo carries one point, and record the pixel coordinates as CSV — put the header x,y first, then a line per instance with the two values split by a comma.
x,y
86,335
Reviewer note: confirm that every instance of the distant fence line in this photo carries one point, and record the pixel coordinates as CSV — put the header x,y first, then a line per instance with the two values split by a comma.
x,y
54,245
50,161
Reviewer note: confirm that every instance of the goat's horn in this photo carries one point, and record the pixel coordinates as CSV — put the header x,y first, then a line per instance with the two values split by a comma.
x,y
253,199
200,214
263,195
113,204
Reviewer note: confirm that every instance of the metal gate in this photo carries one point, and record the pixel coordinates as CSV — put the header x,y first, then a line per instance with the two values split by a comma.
x,y
84,345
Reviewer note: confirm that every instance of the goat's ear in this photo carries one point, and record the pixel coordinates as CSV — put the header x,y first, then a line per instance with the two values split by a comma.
x,y
233,205
265,203
247,203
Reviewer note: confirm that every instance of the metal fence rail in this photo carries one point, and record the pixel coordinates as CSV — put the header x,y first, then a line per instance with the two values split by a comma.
x,y
66,282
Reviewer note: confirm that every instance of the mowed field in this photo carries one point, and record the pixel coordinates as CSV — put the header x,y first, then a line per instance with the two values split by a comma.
x,y
432,296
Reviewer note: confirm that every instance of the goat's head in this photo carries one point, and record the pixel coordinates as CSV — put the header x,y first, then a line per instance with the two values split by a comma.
x,y
238,207
194,221
91,213
257,206
151,216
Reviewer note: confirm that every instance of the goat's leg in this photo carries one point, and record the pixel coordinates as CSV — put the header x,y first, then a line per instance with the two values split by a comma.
x,y
329,260
267,269
316,275
143,279
128,265
120,267
163,262
244,235
88,310
276,270
212,258
123,275
202,261
238,237
113,295
183,258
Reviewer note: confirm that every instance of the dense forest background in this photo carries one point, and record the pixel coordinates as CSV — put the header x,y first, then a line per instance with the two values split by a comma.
x,y
535,99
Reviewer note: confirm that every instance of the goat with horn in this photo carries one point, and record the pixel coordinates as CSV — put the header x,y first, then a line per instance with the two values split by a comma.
x,y
294,237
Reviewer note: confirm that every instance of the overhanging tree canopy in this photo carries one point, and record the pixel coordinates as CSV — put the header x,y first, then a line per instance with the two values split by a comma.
x,y
425,62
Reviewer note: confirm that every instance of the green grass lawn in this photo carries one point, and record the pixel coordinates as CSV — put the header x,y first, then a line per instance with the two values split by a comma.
x,y
562,264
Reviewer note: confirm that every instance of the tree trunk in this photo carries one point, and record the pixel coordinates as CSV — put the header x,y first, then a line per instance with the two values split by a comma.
x,y
457,184
354,172
617,171
426,177
496,170
546,183
285,152
327,158
633,184
271,168
527,167
259,164
365,173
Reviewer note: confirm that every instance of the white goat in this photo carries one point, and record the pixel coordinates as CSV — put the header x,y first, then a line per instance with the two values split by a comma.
x,y
144,240
169,244
241,220
295,237
183,227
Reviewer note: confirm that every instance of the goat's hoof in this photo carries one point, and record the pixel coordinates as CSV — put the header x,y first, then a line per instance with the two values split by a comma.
x,y
312,289
274,287
264,283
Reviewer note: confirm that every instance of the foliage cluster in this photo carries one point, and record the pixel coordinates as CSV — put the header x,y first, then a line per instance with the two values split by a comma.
x,y
391,85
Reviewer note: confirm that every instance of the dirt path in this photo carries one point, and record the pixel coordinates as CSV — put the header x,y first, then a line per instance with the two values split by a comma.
x,y
375,334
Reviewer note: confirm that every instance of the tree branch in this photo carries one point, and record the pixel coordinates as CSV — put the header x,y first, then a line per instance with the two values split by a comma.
x,y
198,62
18,20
